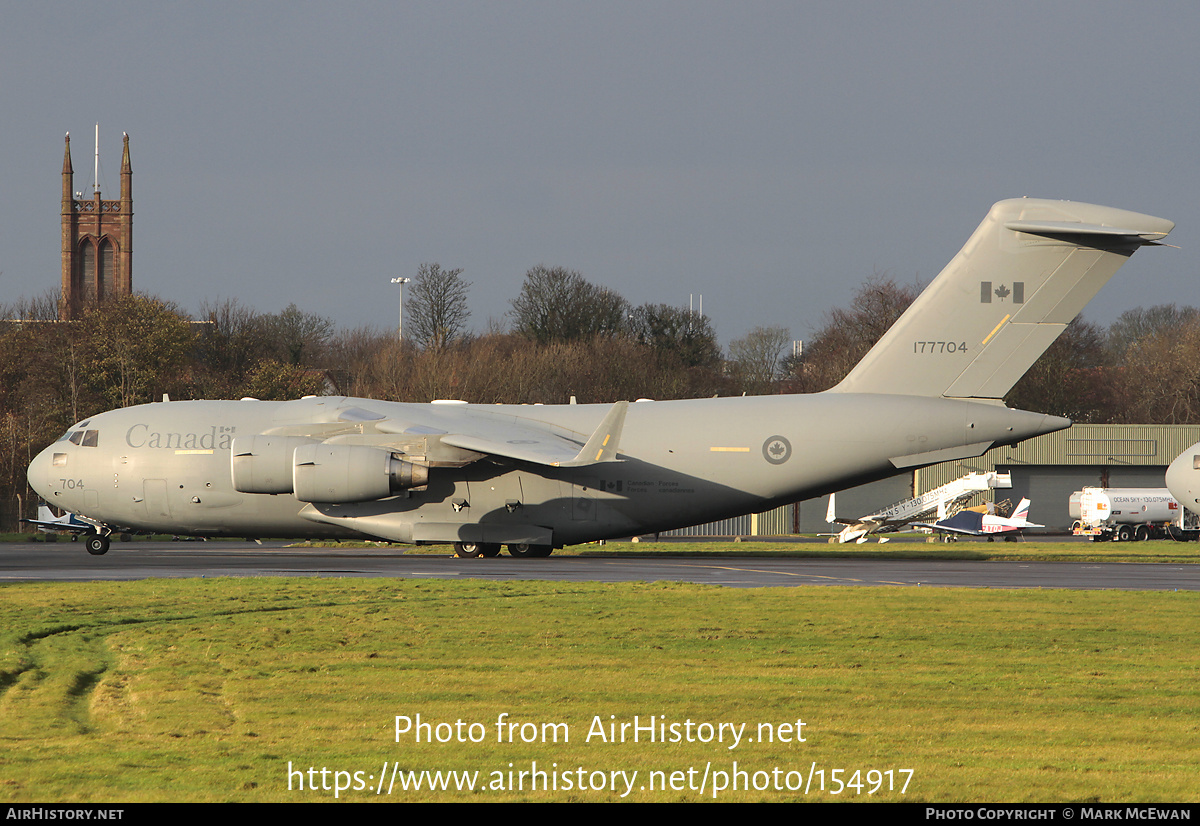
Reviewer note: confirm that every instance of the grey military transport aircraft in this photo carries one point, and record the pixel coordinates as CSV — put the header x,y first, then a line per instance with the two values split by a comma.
x,y
538,477
1183,478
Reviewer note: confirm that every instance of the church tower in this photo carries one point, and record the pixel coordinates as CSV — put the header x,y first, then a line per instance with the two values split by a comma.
x,y
97,241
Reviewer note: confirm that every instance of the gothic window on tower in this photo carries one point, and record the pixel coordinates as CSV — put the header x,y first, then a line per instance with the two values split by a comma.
x,y
87,275
105,288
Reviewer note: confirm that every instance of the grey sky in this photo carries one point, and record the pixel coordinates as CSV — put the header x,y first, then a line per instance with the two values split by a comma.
x,y
769,155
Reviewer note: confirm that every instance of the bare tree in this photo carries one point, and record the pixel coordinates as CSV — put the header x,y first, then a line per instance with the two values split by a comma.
x,y
1140,322
557,304
847,334
757,358
676,333
298,337
1159,377
42,307
351,355
1072,378
438,306
231,342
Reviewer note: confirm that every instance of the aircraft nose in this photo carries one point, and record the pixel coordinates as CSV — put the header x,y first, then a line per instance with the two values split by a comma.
x,y
1183,478
38,473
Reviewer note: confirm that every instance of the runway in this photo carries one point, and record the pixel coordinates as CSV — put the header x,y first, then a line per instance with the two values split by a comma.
x,y
69,562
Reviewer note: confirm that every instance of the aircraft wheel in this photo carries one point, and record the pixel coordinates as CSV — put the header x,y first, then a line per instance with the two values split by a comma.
x,y
490,550
97,545
468,550
525,551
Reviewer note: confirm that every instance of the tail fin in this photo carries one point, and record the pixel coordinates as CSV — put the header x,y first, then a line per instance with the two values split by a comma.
x,y
1024,274
1022,511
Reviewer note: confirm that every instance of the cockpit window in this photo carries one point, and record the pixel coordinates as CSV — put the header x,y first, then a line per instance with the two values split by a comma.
x,y
76,437
84,438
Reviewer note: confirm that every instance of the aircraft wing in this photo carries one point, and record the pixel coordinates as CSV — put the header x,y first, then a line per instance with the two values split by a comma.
x,y
964,522
935,526
526,441
870,522
864,522
51,525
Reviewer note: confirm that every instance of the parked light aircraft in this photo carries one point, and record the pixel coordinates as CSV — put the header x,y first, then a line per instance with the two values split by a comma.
x,y
47,522
982,522
536,478
902,514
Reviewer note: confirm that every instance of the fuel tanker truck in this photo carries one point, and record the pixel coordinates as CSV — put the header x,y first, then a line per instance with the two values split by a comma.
x,y
1130,514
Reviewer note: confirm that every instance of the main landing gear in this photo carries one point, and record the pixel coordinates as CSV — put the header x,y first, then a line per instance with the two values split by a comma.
x,y
474,550
524,550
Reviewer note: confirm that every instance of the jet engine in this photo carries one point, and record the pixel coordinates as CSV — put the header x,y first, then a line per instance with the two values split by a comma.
x,y
263,464
351,473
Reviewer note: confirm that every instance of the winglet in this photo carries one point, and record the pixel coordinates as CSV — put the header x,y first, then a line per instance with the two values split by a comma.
x,y
602,445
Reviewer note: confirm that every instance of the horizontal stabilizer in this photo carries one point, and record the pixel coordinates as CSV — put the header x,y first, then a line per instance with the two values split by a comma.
x,y
1052,228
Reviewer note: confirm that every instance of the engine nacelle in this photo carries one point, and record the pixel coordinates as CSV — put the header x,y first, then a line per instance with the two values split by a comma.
x,y
263,464
351,473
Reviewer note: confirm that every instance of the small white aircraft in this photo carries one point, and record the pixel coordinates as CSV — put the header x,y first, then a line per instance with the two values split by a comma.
x,y
981,522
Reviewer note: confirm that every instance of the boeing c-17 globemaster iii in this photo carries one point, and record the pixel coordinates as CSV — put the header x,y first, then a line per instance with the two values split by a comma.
x,y
539,477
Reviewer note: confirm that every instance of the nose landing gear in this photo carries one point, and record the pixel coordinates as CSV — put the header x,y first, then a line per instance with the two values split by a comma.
x,y
97,544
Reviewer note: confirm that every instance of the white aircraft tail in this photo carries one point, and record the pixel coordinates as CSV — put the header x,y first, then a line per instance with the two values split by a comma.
x,y
1024,274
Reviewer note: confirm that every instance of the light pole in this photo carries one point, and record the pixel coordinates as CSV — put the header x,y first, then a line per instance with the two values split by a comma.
x,y
400,323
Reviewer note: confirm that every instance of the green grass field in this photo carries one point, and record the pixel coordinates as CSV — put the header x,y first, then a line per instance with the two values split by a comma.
x,y
209,690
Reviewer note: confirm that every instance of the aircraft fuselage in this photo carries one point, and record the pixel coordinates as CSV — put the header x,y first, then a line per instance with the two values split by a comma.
x,y
167,467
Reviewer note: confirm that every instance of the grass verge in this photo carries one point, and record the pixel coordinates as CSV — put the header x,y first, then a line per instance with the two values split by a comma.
x,y
210,690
